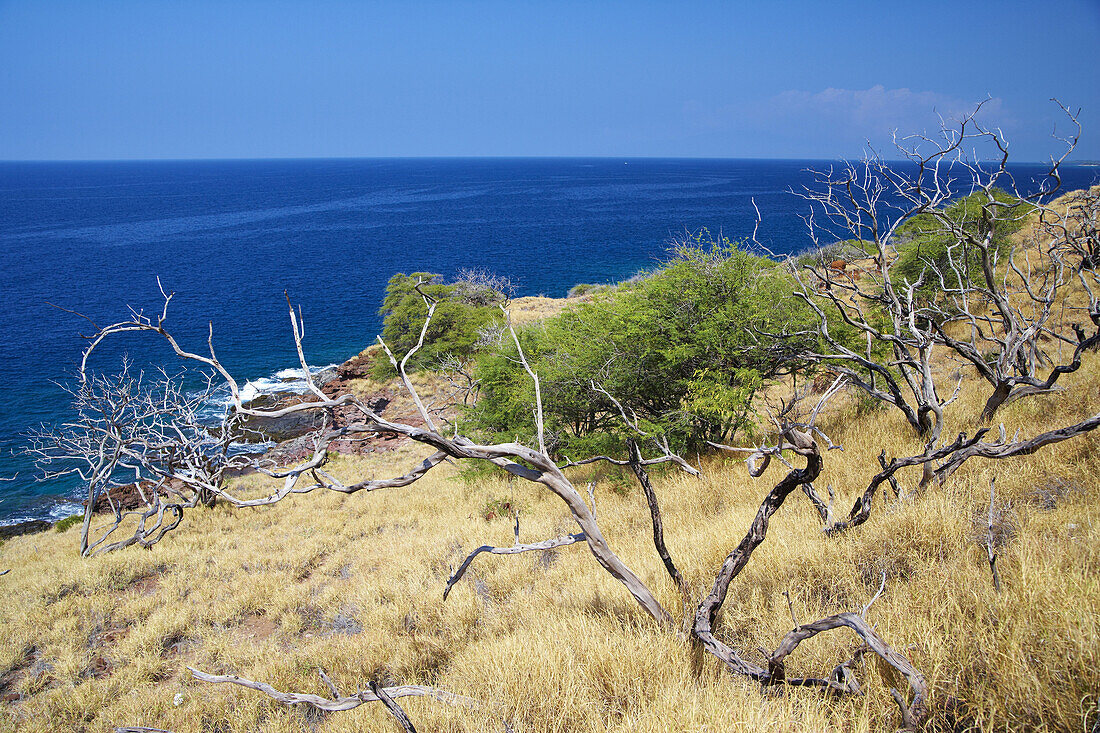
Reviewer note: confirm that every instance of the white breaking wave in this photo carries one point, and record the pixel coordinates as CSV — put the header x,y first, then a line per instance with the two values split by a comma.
x,y
54,512
284,381
65,509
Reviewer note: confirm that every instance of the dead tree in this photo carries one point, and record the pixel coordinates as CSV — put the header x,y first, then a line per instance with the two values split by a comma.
x,y
1008,298
1076,228
798,438
998,306
894,364
143,435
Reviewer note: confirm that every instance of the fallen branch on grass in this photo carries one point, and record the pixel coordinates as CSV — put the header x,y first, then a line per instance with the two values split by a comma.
x,y
338,703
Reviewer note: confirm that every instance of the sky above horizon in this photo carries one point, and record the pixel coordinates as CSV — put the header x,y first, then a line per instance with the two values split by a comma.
x,y
159,79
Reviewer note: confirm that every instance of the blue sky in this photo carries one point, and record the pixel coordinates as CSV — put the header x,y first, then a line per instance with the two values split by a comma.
x,y
148,79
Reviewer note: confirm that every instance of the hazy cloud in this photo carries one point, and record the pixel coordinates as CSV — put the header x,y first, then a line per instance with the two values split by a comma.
x,y
876,110
801,123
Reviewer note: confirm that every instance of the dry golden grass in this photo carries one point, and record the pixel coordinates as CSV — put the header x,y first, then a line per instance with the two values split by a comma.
x,y
549,641
354,585
536,308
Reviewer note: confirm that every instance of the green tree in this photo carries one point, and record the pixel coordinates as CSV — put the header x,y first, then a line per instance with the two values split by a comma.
x,y
684,349
464,309
923,241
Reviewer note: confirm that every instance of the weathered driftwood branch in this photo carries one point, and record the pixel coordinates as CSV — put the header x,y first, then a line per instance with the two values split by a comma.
x,y
912,713
786,418
513,550
1008,448
950,457
736,561
144,536
840,680
337,703
861,510
430,303
824,510
631,420
540,428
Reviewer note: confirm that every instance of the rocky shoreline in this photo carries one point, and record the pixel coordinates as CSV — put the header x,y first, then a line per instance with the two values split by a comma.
x,y
291,434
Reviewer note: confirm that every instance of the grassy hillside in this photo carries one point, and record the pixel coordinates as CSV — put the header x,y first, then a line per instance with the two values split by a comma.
x,y
549,641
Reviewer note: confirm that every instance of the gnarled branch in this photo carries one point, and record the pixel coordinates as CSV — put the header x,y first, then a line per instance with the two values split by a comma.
x,y
336,704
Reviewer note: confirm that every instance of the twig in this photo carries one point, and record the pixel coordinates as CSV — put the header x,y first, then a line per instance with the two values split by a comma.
x,y
871,602
655,518
341,703
790,607
329,684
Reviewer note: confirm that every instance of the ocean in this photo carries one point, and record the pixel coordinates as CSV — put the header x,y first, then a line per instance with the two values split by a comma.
x,y
229,237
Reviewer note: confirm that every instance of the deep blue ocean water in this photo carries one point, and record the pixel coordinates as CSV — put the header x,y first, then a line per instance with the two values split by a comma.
x,y
230,236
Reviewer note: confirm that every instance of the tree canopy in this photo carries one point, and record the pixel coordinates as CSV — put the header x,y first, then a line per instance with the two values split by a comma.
x,y
683,349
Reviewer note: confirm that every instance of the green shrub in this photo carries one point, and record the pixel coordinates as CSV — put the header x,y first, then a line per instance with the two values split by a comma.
x,y
684,349
64,524
581,289
924,242
464,309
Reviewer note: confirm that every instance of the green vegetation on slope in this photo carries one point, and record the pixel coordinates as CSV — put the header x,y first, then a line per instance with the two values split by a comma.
x,y
684,349
923,242
463,309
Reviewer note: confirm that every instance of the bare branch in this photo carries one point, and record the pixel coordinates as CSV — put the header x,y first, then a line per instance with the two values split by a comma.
x,y
329,684
913,714
871,602
539,427
393,707
400,366
989,547
340,703
514,550
655,519
739,558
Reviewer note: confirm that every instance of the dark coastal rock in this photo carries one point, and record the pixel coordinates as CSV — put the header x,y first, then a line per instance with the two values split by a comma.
x,y
291,433
21,528
295,424
358,366
284,427
289,452
333,383
325,376
297,449
126,498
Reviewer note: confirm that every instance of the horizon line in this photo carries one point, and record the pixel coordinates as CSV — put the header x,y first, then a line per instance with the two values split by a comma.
x,y
1084,162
